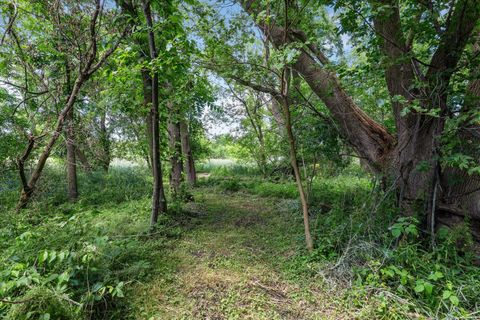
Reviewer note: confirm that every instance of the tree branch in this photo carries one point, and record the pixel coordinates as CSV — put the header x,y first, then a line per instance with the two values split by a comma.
x,y
463,20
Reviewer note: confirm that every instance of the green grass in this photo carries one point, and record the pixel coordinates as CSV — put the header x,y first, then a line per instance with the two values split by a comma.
x,y
232,265
237,252
225,168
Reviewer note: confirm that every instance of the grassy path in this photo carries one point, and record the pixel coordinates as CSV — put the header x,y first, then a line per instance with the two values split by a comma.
x,y
235,262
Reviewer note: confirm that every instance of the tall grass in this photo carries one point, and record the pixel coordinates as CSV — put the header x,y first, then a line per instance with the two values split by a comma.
x,y
365,247
65,260
121,183
227,168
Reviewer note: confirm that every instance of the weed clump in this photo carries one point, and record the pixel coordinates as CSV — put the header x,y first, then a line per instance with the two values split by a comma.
x,y
231,186
42,303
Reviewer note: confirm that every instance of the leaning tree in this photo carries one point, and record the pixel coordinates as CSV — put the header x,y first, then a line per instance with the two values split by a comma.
x,y
428,52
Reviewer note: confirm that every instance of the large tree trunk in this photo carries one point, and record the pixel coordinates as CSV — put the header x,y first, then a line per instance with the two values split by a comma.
x,y
176,154
424,185
159,203
460,191
190,170
413,156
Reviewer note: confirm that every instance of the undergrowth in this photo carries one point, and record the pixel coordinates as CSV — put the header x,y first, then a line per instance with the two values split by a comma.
x,y
62,260
362,245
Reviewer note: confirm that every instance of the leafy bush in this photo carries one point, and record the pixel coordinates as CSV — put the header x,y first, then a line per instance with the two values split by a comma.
x,y
73,261
406,276
42,303
231,185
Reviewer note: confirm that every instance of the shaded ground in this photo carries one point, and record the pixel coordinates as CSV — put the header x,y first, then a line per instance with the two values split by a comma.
x,y
232,263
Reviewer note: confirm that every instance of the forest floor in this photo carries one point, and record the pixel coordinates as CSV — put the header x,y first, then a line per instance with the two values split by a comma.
x,y
236,252
231,263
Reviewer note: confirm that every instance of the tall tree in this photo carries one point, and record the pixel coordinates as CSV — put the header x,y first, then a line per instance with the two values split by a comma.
x,y
285,102
70,138
420,94
91,61
159,203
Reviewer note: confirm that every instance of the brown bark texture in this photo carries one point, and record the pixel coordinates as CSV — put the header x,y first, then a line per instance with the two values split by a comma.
x,y
175,145
190,170
159,203
92,63
445,195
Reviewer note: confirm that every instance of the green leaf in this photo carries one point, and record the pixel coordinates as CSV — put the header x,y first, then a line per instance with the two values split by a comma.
x,y
52,255
45,316
42,257
396,232
419,288
428,288
64,277
446,294
97,286
435,276
52,277
454,300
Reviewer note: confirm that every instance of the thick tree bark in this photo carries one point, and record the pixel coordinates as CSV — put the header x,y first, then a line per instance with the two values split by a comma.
x,y
460,192
190,170
413,156
159,203
175,145
416,161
